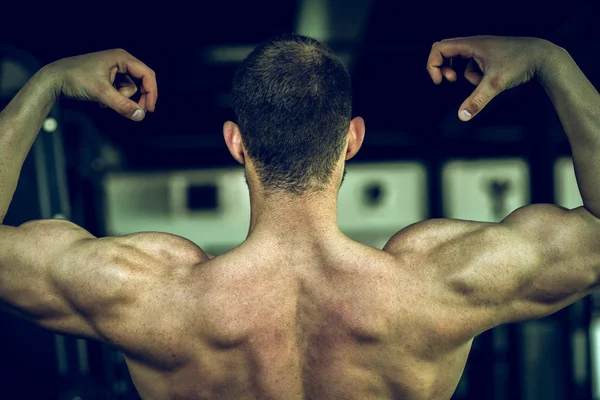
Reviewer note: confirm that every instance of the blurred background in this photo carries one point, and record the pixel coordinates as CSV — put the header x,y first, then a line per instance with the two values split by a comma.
x,y
173,172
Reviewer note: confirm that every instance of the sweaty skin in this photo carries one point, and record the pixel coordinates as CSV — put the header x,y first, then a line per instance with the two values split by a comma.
x,y
300,311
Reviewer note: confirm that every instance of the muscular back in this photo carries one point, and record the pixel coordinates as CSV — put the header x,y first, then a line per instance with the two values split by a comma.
x,y
300,319
340,320
336,323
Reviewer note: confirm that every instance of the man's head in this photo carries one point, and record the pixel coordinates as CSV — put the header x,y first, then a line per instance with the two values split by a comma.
x,y
293,101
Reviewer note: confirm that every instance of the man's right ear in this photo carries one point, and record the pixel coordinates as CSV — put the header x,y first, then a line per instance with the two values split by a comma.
x,y
356,135
233,139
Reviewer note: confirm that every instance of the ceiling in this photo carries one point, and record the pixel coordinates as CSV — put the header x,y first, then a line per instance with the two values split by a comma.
x,y
195,53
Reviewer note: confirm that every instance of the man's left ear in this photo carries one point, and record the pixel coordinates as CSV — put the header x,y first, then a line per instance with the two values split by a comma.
x,y
233,139
356,135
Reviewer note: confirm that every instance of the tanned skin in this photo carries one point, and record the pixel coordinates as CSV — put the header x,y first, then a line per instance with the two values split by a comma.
x,y
298,310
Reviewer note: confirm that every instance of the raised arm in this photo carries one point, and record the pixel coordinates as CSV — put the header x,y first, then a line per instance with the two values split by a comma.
x,y
88,77
577,103
541,258
20,123
133,291
49,270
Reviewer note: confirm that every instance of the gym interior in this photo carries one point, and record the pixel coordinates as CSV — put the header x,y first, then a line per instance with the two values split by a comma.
x,y
173,173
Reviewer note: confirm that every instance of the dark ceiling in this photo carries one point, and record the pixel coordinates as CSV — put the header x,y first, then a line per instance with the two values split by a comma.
x,y
404,111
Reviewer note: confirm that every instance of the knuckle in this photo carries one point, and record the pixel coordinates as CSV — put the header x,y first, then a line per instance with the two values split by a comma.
x,y
123,106
498,82
477,103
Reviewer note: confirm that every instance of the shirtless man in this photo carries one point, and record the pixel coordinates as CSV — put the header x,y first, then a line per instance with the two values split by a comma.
x,y
298,310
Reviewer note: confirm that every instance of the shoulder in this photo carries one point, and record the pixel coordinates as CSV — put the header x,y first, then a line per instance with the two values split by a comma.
x,y
120,270
428,235
148,291
163,246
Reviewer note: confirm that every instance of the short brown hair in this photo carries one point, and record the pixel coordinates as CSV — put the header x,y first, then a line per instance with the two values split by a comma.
x,y
293,101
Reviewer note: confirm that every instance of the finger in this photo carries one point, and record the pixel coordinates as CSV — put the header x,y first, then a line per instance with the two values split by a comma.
x,y
446,50
123,84
128,91
449,73
126,87
456,47
111,97
139,70
143,99
434,62
481,96
473,73
113,74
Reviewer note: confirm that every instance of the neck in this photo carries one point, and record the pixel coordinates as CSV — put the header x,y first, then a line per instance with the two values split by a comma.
x,y
300,218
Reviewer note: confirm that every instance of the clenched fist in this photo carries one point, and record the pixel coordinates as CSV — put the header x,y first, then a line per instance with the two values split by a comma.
x,y
496,64
106,77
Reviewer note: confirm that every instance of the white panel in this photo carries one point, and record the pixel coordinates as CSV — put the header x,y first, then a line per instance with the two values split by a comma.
x,y
402,200
156,202
467,188
565,184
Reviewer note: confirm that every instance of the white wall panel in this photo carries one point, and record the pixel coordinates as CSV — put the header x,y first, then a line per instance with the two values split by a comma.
x,y
467,188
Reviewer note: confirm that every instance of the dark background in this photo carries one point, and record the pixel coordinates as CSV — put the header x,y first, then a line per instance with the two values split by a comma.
x,y
386,44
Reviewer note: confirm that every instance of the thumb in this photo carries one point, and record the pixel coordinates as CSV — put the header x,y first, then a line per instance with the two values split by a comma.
x,y
481,96
121,104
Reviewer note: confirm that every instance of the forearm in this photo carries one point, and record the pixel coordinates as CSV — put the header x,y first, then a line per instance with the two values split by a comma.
x,y
577,103
20,123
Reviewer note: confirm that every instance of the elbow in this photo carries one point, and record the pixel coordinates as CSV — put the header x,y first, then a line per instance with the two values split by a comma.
x,y
555,289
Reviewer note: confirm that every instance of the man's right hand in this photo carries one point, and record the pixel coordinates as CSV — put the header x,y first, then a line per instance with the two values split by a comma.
x,y
106,77
496,64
